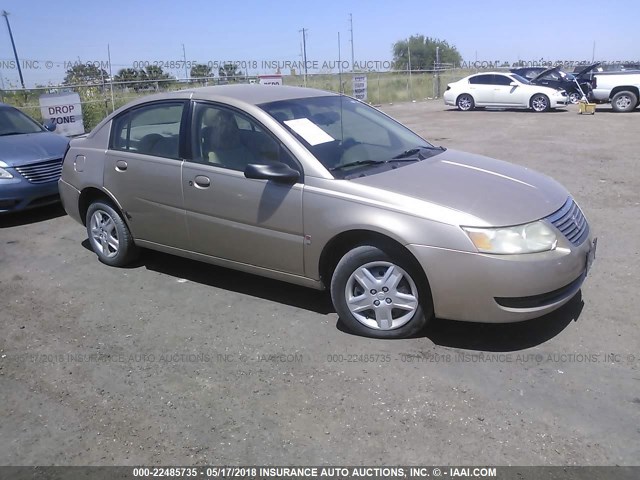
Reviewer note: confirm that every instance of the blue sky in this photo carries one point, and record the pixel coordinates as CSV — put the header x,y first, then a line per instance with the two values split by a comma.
x,y
65,30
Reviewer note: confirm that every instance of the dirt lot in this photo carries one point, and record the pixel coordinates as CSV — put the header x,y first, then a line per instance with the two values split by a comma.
x,y
176,362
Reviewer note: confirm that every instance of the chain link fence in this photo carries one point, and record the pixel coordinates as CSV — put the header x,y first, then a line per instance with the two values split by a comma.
x,y
99,99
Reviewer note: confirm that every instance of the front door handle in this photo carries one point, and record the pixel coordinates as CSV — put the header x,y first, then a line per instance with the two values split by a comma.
x,y
202,182
121,165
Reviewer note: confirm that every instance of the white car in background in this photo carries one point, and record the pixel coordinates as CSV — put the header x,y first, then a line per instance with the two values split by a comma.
x,y
502,90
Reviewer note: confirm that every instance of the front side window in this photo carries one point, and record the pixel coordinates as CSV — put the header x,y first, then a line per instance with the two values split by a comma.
x,y
150,130
225,138
502,80
346,135
14,122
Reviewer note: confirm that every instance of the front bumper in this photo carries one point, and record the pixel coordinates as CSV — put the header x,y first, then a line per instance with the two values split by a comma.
x,y
559,101
485,288
19,194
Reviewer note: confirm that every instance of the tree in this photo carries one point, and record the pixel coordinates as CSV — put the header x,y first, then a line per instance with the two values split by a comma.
x,y
423,53
129,77
201,71
229,71
154,72
83,74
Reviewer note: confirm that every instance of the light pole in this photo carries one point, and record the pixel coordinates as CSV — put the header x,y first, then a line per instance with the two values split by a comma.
x,y
5,14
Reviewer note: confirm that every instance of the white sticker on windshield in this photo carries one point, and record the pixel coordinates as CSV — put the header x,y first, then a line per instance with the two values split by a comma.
x,y
308,130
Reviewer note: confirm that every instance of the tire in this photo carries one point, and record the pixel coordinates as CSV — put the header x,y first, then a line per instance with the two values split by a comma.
x,y
465,102
623,102
369,282
540,103
109,235
575,97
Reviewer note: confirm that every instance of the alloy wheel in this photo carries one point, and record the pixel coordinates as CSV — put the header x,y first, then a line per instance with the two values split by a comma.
x,y
381,295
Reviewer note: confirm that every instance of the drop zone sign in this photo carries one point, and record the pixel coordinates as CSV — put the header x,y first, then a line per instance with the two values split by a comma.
x,y
65,110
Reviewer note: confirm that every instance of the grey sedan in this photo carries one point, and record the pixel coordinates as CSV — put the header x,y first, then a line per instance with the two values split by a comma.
x,y
322,190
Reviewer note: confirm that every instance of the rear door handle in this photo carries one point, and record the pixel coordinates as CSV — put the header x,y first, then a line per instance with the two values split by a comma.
x,y
121,165
202,182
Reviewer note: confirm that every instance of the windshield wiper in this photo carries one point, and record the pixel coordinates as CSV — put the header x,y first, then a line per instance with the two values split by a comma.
x,y
356,163
416,151
3,134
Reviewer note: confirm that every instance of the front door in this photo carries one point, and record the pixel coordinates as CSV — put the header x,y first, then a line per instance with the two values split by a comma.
x,y
256,222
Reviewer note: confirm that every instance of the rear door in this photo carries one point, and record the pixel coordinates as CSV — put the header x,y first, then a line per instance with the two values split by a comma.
x,y
143,171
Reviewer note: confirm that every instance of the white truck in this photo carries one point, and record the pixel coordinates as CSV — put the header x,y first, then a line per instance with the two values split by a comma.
x,y
622,89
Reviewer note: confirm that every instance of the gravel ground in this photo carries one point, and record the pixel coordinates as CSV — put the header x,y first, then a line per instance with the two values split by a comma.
x,y
176,362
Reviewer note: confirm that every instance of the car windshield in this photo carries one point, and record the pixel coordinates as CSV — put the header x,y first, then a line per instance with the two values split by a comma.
x,y
520,79
346,135
14,122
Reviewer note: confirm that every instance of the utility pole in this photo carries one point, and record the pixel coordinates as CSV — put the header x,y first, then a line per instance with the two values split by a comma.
x,y
304,53
184,57
5,14
353,58
593,52
339,65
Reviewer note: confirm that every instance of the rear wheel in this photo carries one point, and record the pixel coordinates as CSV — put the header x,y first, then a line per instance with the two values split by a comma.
x,y
624,101
109,235
380,293
540,103
465,102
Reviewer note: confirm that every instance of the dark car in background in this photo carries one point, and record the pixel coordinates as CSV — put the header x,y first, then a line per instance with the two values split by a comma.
x,y
30,161
557,78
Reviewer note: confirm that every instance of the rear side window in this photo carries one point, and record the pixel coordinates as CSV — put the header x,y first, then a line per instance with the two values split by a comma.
x,y
150,130
481,80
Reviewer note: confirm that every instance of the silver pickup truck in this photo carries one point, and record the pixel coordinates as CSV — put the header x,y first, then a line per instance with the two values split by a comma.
x,y
622,89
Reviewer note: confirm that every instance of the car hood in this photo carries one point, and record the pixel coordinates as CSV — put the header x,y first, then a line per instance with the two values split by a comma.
x,y
543,73
499,193
16,150
586,70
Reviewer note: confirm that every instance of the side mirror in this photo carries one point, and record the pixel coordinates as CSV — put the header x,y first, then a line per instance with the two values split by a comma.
x,y
49,125
514,84
277,171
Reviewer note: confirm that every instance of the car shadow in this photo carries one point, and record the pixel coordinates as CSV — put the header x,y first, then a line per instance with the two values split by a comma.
x,y
235,281
504,337
491,337
608,109
499,337
514,110
36,215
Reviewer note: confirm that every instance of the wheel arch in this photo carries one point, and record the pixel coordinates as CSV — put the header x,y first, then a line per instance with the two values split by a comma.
x,y
341,243
534,94
465,93
88,195
627,88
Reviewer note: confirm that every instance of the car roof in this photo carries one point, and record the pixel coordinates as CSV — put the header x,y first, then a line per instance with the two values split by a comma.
x,y
491,73
252,94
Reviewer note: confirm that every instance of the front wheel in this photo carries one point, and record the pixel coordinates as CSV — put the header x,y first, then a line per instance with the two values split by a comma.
x,y
575,97
380,294
465,102
109,235
540,103
623,102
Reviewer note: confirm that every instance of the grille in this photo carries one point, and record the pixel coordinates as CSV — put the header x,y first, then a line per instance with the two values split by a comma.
x,y
571,222
42,172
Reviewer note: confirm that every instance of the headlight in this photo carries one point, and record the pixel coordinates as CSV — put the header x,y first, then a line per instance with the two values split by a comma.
x,y
5,174
529,238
